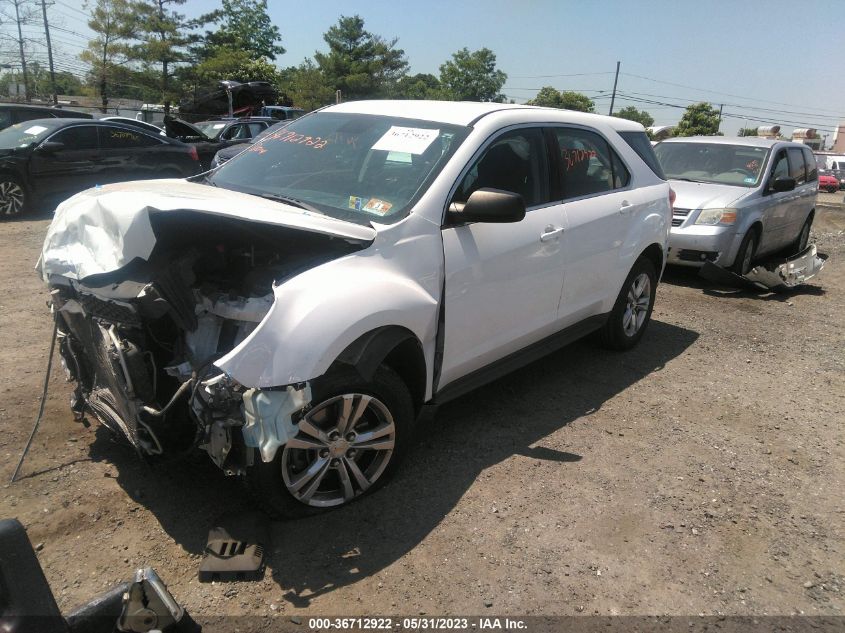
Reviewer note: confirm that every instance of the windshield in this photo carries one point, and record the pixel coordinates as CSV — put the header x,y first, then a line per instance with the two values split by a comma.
x,y
24,134
738,165
211,129
353,167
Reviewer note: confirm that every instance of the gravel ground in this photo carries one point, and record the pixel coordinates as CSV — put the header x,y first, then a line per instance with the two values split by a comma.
x,y
696,474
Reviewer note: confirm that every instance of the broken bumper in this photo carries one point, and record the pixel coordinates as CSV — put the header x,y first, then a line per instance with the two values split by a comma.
x,y
778,275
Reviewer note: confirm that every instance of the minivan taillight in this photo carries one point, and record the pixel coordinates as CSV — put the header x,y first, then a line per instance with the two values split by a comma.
x,y
193,152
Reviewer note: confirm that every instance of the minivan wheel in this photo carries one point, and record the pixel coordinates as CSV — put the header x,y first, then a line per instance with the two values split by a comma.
x,y
348,444
745,254
803,238
632,311
12,196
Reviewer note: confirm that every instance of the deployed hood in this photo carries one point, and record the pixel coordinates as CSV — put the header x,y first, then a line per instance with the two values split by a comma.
x,y
705,195
103,229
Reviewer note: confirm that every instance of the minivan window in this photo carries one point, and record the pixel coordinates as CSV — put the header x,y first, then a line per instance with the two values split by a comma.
x,y
811,165
719,163
796,165
587,164
642,146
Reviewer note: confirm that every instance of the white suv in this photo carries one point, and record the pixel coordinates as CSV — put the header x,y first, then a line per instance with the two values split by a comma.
x,y
293,311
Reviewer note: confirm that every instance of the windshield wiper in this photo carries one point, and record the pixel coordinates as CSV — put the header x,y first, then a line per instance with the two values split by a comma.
x,y
294,202
684,179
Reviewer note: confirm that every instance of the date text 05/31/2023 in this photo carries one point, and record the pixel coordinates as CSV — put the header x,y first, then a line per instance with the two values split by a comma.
x,y
417,623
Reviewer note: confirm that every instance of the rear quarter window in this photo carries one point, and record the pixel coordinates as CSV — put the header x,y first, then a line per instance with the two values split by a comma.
x,y
642,146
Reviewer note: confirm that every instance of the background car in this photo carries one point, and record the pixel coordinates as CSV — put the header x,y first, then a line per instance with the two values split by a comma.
x,y
233,150
211,136
11,113
738,198
828,182
141,125
45,160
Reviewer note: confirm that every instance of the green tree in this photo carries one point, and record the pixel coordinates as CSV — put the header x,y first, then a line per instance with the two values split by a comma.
x,y
700,119
113,23
305,86
550,97
232,64
472,76
243,26
162,38
360,64
632,114
419,86
747,131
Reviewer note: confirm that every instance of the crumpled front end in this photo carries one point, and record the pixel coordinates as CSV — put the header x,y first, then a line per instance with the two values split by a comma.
x,y
140,340
777,275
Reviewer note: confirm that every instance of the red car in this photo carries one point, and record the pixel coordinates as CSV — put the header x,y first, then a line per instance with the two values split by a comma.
x,y
828,183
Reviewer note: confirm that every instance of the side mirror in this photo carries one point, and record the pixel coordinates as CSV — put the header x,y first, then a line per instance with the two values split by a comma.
x,y
48,147
783,184
488,205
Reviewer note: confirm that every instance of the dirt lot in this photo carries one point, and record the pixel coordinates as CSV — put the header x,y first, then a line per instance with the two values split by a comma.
x,y
701,473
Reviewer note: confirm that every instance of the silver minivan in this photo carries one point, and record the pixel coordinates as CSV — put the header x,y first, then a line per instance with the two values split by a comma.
x,y
738,199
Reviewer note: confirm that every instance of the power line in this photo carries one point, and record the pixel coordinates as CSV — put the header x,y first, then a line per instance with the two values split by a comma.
x,y
568,75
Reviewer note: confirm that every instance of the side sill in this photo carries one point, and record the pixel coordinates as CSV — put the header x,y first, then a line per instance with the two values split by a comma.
x,y
518,359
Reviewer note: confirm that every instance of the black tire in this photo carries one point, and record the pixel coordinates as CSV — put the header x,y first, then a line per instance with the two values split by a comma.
x,y
803,238
267,481
618,333
13,197
745,255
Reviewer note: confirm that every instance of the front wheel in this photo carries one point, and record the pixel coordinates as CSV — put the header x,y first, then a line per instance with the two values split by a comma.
x,y
803,238
745,254
632,311
348,444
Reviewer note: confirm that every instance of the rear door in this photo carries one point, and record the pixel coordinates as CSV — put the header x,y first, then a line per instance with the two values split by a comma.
x,y
70,169
599,205
129,154
502,281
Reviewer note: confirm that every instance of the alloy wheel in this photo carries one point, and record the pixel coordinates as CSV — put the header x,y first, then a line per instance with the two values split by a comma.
x,y
341,450
11,198
638,302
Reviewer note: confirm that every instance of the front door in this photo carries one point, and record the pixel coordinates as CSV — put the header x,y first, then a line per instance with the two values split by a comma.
x,y
57,174
503,281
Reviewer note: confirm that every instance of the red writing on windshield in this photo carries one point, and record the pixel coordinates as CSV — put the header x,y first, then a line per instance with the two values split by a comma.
x,y
299,139
572,157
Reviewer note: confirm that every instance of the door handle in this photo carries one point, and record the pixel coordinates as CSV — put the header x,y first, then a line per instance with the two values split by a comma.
x,y
625,207
551,233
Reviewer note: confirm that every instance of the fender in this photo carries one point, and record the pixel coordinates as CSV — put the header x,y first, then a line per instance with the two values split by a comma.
x,y
305,330
367,352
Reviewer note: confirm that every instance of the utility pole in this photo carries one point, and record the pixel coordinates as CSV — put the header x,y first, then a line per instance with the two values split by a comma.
x,y
49,53
17,4
719,127
613,96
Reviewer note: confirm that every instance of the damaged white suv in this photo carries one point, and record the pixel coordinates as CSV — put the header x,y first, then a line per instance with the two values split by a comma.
x,y
294,310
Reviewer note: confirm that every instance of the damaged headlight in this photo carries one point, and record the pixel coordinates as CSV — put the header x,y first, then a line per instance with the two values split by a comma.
x,y
711,217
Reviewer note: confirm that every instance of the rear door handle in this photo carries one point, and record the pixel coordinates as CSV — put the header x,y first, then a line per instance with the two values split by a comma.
x,y
625,207
551,233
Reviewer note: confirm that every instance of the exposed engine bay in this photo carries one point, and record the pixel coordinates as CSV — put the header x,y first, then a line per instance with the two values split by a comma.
x,y
140,342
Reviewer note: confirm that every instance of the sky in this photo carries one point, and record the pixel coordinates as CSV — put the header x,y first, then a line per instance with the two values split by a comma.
x,y
767,62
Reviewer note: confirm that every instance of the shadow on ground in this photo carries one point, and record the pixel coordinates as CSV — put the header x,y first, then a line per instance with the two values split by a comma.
x,y
316,555
689,278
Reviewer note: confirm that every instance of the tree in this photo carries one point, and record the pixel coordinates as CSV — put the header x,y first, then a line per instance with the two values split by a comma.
x,y
700,119
305,86
233,64
747,131
243,26
22,13
632,114
162,35
549,97
472,76
360,64
113,23
419,86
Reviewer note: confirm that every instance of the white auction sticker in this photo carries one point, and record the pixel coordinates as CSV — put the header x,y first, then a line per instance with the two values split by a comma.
x,y
35,129
217,126
412,140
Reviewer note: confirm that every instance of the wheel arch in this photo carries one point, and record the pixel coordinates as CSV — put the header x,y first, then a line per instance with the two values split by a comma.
x,y
654,253
396,347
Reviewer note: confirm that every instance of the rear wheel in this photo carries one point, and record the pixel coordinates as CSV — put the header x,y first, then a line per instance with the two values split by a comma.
x,y
632,311
348,444
745,254
12,196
